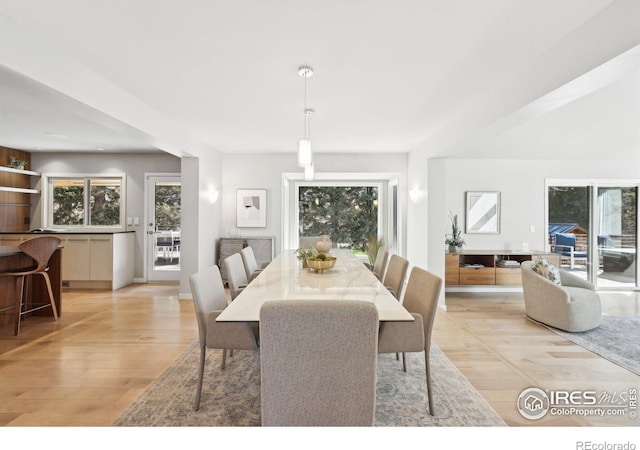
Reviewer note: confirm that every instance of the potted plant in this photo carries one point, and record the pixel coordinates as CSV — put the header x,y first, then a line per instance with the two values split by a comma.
x,y
454,240
303,254
373,245
18,163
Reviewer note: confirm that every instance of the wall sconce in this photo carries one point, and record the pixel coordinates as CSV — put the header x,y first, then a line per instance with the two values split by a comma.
x,y
213,195
415,195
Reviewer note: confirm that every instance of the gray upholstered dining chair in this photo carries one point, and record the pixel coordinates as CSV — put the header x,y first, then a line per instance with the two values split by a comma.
x,y
318,362
380,264
251,267
236,275
210,299
395,275
421,300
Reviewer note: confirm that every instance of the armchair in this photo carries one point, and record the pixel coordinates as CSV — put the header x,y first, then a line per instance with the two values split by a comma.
x,y
572,305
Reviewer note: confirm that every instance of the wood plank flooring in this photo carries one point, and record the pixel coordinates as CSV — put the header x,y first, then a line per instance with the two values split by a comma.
x,y
107,347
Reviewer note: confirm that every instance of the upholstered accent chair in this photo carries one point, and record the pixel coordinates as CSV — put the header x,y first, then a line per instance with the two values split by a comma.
x,y
318,362
572,304
210,299
421,300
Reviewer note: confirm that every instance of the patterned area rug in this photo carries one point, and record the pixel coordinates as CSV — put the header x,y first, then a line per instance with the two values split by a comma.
x,y
231,397
616,339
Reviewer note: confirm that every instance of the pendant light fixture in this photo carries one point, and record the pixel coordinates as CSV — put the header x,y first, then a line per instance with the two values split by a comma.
x,y
305,155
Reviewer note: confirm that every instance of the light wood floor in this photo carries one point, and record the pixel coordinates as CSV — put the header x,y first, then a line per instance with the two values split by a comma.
x,y
107,347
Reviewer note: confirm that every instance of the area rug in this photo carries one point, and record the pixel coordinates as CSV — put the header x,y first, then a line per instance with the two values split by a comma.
x,y
616,339
231,397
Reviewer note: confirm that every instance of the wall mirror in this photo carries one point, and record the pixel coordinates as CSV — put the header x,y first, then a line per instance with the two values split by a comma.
x,y
483,212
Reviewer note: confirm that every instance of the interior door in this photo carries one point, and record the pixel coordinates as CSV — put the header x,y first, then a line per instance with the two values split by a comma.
x,y
163,227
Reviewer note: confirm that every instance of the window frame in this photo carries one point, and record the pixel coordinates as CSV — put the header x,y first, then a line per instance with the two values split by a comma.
x,y
389,227
47,204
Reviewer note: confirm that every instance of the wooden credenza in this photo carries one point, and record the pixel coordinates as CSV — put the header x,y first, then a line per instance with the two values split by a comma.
x,y
263,248
484,267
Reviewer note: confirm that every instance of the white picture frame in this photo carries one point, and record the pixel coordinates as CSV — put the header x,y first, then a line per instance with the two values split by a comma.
x,y
483,213
251,208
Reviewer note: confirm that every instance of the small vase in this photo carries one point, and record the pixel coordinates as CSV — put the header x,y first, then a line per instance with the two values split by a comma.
x,y
452,248
324,244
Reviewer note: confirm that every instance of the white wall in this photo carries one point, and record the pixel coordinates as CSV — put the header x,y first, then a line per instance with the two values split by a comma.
x,y
133,165
522,188
201,219
264,171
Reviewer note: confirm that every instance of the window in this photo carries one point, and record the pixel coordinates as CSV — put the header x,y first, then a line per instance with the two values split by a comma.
x,y
348,214
373,196
86,201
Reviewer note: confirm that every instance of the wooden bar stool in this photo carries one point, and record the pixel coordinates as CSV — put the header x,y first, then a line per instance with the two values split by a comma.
x,y
40,250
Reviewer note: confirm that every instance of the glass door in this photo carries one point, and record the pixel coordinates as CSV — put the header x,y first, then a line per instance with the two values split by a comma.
x,y
594,229
569,216
617,236
163,228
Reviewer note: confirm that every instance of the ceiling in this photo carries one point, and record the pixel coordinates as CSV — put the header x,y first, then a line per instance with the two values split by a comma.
x,y
454,78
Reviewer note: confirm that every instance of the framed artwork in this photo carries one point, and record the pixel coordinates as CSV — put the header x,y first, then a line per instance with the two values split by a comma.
x,y
251,208
483,212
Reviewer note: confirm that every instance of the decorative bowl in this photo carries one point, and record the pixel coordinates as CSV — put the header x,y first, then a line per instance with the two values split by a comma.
x,y
320,265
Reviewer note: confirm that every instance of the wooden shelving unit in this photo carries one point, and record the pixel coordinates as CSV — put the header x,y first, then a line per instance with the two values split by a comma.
x,y
482,267
15,191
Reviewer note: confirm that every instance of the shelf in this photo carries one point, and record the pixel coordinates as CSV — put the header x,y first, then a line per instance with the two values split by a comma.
x,y
19,190
23,172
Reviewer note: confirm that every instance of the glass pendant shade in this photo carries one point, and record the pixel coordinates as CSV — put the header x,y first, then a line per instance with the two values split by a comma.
x,y
304,153
308,172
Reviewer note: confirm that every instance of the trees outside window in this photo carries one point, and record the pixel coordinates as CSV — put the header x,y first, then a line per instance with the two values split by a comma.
x,y
168,206
86,201
348,214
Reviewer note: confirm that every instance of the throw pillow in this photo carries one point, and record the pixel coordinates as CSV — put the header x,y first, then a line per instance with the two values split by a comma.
x,y
547,270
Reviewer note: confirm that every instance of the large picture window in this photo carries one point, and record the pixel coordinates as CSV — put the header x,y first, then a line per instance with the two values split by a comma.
x,y
348,214
86,202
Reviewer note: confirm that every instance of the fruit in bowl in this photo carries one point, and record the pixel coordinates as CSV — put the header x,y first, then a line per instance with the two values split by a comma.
x,y
321,262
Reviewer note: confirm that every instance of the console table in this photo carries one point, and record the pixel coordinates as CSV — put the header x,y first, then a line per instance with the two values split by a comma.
x,y
489,267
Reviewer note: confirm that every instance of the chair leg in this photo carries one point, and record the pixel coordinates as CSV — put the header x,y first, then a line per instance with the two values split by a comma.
x,y
397,356
203,355
404,361
20,302
432,409
224,358
47,280
231,353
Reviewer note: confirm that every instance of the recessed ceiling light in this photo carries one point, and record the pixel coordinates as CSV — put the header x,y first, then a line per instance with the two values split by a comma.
x,y
100,148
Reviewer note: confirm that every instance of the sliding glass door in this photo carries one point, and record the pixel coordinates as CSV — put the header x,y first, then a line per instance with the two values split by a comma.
x,y
617,236
594,229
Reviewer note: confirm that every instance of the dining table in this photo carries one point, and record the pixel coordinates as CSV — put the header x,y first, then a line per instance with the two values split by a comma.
x,y
285,278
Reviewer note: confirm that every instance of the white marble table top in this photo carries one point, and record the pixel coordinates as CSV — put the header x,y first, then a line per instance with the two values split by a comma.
x,y
285,279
